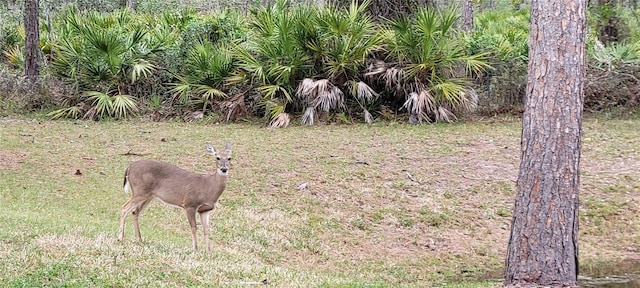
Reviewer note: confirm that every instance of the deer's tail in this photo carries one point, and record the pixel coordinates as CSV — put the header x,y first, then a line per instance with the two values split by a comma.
x,y
126,186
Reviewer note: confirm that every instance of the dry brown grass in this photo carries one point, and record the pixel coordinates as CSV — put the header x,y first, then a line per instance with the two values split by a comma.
x,y
387,204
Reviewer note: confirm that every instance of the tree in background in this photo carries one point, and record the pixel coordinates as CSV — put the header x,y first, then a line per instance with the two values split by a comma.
x,y
608,22
543,246
131,4
32,40
467,15
389,9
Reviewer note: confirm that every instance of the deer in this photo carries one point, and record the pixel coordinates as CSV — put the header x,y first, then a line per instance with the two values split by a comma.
x,y
195,193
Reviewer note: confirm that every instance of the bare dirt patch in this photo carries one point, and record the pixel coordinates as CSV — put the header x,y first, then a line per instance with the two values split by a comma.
x,y
10,159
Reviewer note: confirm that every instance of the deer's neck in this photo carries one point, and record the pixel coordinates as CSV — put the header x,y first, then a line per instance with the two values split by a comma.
x,y
218,183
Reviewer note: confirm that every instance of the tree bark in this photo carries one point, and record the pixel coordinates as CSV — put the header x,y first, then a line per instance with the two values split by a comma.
x,y
543,246
467,15
131,4
32,41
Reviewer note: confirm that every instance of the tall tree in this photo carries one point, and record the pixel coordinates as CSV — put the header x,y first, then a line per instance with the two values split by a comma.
x,y
467,15
608,21
32,41
131,4
543,247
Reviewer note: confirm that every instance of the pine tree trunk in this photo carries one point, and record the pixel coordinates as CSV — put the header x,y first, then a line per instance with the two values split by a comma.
x,y
32,41
467,15
543,246
609,22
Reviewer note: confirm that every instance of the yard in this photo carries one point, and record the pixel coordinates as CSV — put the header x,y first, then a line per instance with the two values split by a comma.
x,y
386,204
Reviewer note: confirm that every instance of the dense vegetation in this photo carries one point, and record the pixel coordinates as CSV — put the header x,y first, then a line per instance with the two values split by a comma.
x,y
285,61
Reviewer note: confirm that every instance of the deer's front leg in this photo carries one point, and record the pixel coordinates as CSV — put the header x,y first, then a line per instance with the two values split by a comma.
x,y
191,215
204,219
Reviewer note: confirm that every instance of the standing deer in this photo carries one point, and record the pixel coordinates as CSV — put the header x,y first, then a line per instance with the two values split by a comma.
x,y
195,193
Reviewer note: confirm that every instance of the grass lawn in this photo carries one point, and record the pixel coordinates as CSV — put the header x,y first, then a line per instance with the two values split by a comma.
x,y
385,205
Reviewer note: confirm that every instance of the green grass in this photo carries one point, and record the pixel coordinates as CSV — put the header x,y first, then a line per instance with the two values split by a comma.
x,y
386,205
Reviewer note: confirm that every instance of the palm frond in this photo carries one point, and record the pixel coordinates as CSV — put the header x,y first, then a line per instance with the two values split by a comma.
x,y
72,112
141,67
280,121
327,96
363,92
181,90
309,116
123,106
102,103
368,118
271,92
419,104
443,114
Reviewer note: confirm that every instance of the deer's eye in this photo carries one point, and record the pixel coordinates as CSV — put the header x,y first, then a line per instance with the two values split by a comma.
x,y
218,158
229,159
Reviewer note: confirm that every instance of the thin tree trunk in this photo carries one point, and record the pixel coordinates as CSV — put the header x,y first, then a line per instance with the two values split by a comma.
x,y
543,246
32,41
608,24
467,15
517,5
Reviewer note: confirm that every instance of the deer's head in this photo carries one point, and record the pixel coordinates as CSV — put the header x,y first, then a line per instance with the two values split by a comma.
x,y
223,158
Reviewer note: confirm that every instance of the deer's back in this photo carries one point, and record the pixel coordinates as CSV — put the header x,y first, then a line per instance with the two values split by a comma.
x,y
171,183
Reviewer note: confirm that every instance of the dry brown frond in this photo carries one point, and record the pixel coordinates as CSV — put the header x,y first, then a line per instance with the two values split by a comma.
x,y
280,121
368,117
443,114
233,107
306,90
364,92
468,100
375,68
328,96
393,79
309,116
420,105
91,114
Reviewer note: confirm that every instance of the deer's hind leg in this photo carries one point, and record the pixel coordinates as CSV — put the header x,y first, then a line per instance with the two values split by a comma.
x,y
136,205
136,214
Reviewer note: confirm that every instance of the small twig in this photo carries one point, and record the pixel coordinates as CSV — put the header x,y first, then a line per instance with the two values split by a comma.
x,y
411,177
129,153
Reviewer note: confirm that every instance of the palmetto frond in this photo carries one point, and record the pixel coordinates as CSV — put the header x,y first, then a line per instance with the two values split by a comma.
x,y
346,38
181,90
321,94
270,92
102,103
278,117
365,96
141,67
280,121
443,114
362,92
123,106
309,116
419,104
429,56
119,106
72,112
328,97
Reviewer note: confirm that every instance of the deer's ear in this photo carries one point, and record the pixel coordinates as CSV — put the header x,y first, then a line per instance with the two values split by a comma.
x,y
228,147
210,149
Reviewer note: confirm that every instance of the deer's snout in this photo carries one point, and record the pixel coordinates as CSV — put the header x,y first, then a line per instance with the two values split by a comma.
x,y
224,169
